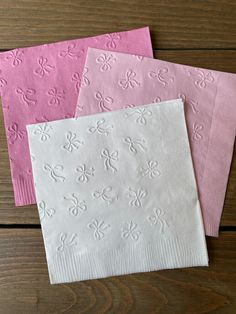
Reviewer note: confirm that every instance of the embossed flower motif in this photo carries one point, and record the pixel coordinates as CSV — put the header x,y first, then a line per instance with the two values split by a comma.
x,y
100,128
77,205
105,61
15,55
105,195
82,81
150,170
72,142
129,81
102,101
130,231
158,217
162,76
44,211
71,51
44,67
43,131
26,96
54,172
55,96
99,228
112,39
84,173
203,78
135,145
66,242
15,134
136,197
109,158
197,128
141,114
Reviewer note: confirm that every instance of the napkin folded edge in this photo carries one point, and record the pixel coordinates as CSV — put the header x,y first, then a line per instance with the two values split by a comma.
x,y
166,254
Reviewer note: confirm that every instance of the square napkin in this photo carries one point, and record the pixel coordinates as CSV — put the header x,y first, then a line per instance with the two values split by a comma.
x,y
210,98
42,83
117,196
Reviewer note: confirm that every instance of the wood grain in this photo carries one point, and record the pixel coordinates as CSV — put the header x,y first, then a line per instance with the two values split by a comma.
x,y
24,283
9,214
174,24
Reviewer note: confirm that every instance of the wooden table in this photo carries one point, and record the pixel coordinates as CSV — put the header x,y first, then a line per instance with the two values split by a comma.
x,y
199,33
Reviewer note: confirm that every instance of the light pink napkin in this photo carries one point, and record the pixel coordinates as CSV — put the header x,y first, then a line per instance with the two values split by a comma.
x,y
42,83
210,97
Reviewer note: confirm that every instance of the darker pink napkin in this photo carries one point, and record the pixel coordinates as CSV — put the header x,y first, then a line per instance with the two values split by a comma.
x,y
42,84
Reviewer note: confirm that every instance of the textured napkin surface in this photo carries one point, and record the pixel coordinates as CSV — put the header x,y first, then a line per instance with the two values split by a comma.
x,y
42,83
116,193
210,107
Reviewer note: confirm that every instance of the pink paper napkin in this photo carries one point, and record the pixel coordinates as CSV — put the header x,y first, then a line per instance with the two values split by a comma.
x,y
42,83
210,98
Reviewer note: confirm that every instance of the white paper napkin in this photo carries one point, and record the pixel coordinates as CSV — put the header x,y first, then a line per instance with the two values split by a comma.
x,y
116,193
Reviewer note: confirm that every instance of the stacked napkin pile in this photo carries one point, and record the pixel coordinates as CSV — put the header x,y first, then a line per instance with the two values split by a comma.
x,y
127,157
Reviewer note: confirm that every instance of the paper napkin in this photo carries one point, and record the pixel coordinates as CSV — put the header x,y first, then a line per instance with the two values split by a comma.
x,y
210,98
116,193
42,83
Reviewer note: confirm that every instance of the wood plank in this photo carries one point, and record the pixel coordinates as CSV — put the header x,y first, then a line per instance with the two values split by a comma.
x,y
174,24
218,60
25,288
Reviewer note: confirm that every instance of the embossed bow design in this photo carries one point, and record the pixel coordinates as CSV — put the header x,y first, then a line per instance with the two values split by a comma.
x,y
150,170
77,205
191,102
65,242
100,128
203,78
104,195
103,100
111,40
197,128
105,61
136,197
73,142
157,99
134,144
3,82
129,80
56,96
139,58
70,52
99,228
44,67
158,217
53,172
15,133
162,76
85,173
43,130
109,157
44,211
25,96
82,81
141,114
130,231
15,55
